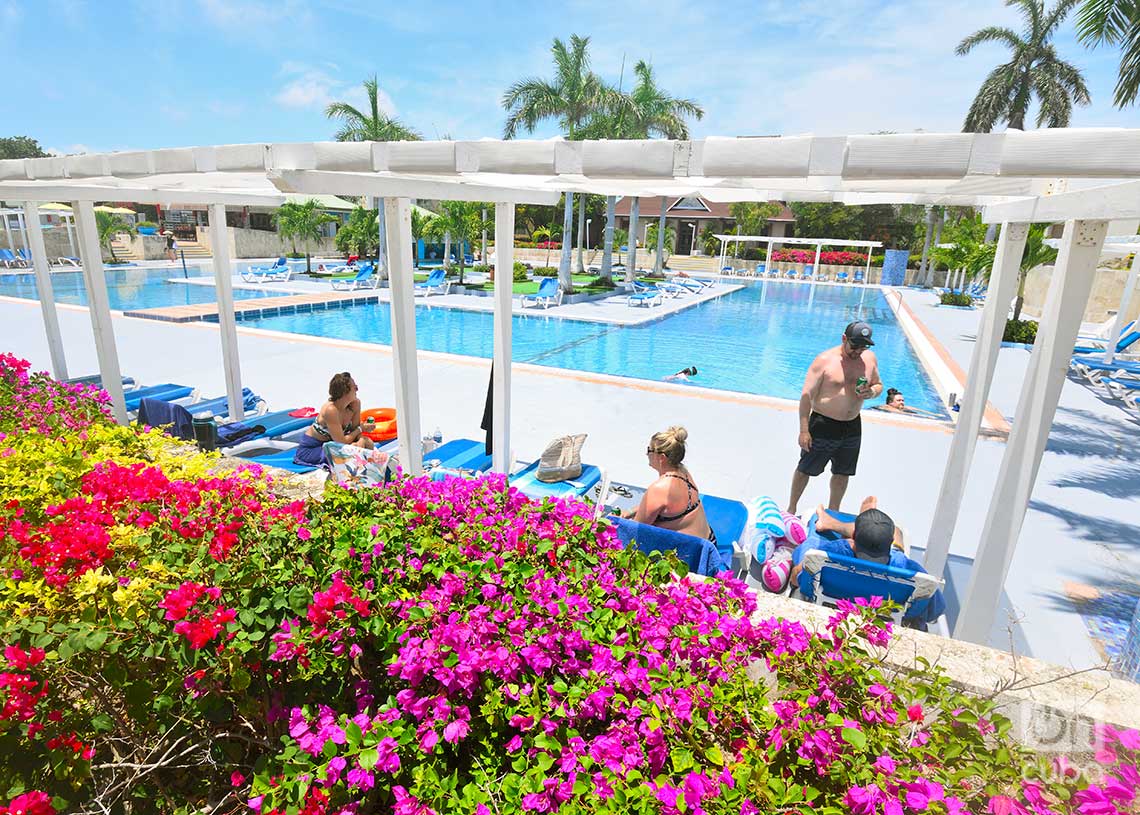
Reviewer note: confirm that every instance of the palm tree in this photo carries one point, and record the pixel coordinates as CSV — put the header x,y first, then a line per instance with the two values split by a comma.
x,y
667,242
459,221
1037,253
571,97
373,125
108,225
302,221
1034,69
1115,22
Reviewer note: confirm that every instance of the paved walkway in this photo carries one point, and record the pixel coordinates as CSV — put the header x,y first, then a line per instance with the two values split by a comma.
x,y
1082,527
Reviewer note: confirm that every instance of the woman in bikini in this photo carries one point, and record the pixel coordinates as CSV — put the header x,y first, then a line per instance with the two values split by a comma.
x,y
673,500
338,420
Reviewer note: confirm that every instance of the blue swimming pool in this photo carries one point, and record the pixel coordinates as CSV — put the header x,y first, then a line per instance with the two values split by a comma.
x,y
758,340
128,288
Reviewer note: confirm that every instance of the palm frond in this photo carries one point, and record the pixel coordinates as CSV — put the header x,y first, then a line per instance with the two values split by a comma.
x,y
528,102
1128,74
1106,21
992,103
1055,16
990,34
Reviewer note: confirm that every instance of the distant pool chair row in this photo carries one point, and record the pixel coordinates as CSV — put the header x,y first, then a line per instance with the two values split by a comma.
x,y
20,259
1120,378
549,294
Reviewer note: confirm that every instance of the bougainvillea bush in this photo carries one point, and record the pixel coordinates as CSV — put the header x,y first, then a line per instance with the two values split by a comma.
x,y
179,638
825,258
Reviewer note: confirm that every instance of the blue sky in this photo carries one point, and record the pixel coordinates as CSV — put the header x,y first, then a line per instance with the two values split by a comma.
x,y
165,73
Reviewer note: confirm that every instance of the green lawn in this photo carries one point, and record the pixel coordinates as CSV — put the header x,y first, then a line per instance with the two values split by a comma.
x,y
531,286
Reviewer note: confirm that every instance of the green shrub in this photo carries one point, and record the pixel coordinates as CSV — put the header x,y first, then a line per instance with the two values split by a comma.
x,y
544,271
481,268
601,283
146,225
522,272
295,255
1023,331
953,299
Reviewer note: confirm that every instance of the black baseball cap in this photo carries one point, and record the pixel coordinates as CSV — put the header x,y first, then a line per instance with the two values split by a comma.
x,y
858,334
874,535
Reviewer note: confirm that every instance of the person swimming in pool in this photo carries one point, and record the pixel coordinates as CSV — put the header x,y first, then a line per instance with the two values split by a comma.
x,y
338,420
896,403
683,375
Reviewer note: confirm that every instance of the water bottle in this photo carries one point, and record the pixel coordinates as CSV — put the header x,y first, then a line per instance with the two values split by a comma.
x,y
437,436
205,432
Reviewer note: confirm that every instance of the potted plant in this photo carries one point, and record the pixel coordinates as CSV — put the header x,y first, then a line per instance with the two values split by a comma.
x,y
147,228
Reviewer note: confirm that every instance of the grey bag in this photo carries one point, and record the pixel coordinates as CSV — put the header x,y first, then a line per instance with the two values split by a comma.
x,y
562,459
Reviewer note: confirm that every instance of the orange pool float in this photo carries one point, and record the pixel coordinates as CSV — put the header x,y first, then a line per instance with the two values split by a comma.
x,y
385,419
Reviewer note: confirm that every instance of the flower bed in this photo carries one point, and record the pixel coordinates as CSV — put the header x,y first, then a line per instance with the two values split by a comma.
x,y
825,258
181,639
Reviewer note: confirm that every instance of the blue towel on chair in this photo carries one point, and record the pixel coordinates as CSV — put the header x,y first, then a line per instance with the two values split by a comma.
x,y
699,555
174,419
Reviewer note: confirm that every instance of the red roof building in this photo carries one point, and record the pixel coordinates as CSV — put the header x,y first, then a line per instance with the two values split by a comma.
x,y
682,213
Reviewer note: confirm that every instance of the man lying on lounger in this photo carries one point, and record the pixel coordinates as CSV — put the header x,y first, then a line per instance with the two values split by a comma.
x,y
872,536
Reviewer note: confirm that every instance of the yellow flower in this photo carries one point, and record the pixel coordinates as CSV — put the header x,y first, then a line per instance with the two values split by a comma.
x,y
91,583
130,594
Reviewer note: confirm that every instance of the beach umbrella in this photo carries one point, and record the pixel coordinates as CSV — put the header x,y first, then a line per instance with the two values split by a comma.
x,y
55,207
114,210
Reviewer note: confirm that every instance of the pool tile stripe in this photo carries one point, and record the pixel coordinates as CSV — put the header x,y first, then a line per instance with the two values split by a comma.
x,y
259,307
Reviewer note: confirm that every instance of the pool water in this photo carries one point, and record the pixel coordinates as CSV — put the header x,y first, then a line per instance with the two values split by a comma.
x,y
758,340
129,288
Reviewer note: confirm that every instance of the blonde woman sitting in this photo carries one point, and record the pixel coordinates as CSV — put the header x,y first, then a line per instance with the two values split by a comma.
x,y
673,500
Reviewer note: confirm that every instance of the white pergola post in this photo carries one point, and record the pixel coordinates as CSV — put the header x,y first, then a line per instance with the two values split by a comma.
x,y
631,255
867,273
227,322
504,309
8,231
1064,307
69,224
23,226
768,259
99,306
723,254
1125,299
401,280
34,237
1003,284
815,265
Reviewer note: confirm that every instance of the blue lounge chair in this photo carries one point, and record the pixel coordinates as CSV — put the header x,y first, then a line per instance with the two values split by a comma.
x,y
166,392
70,261
727,519
436,282
790,274
1094,368
281,459
279,270
97,381
526,481
219,406
842,277
727,270
25,257
8,259
643,295
1122,388
458,457
251,432
1127,340
698,554
366,278
808,273
549,294
859,277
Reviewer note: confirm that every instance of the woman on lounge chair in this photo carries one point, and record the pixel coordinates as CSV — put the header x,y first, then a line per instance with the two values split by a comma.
x,y
338,420
673,500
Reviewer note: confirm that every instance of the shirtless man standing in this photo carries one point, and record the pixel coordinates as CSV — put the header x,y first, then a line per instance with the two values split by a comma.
x,y
836,385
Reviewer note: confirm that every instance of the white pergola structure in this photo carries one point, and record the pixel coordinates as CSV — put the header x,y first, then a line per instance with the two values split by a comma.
x,y
1081,177
725,240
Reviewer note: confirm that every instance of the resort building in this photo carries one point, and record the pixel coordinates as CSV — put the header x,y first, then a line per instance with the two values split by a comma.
x,y
693,215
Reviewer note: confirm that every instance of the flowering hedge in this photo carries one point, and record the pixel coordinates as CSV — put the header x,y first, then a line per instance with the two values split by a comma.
x,y
825,258
180,638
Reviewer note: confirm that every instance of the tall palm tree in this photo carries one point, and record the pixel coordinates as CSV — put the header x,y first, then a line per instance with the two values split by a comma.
x,y
1037,253
1034,70
371,125
571,97
457,220
302,220
1115,22
108,225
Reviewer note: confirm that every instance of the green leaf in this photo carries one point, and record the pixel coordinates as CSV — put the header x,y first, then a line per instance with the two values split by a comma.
x,y
94,641
299,598
856,738
102,723
353,734
240,679
368,758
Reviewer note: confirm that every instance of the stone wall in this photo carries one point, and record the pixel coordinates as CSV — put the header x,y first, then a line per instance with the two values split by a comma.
x,y
1105,297
257,243
55,242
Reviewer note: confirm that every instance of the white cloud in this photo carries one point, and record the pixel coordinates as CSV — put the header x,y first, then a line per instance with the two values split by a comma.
x,y
10,15
311,86
70,150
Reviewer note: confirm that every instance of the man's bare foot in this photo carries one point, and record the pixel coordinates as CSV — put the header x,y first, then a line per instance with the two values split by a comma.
x,y
823,521
870,502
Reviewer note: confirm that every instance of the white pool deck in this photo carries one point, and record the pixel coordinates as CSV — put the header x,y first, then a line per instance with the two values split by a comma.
x,y
1083,525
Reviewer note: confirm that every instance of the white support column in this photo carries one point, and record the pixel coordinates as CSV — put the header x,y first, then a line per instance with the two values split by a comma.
x,y
768,260
23,225
398,225
1069,290
815,266
227,323
35,239
867,274
504,309
1125,300
1003,284
8,232
98,305
69,223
